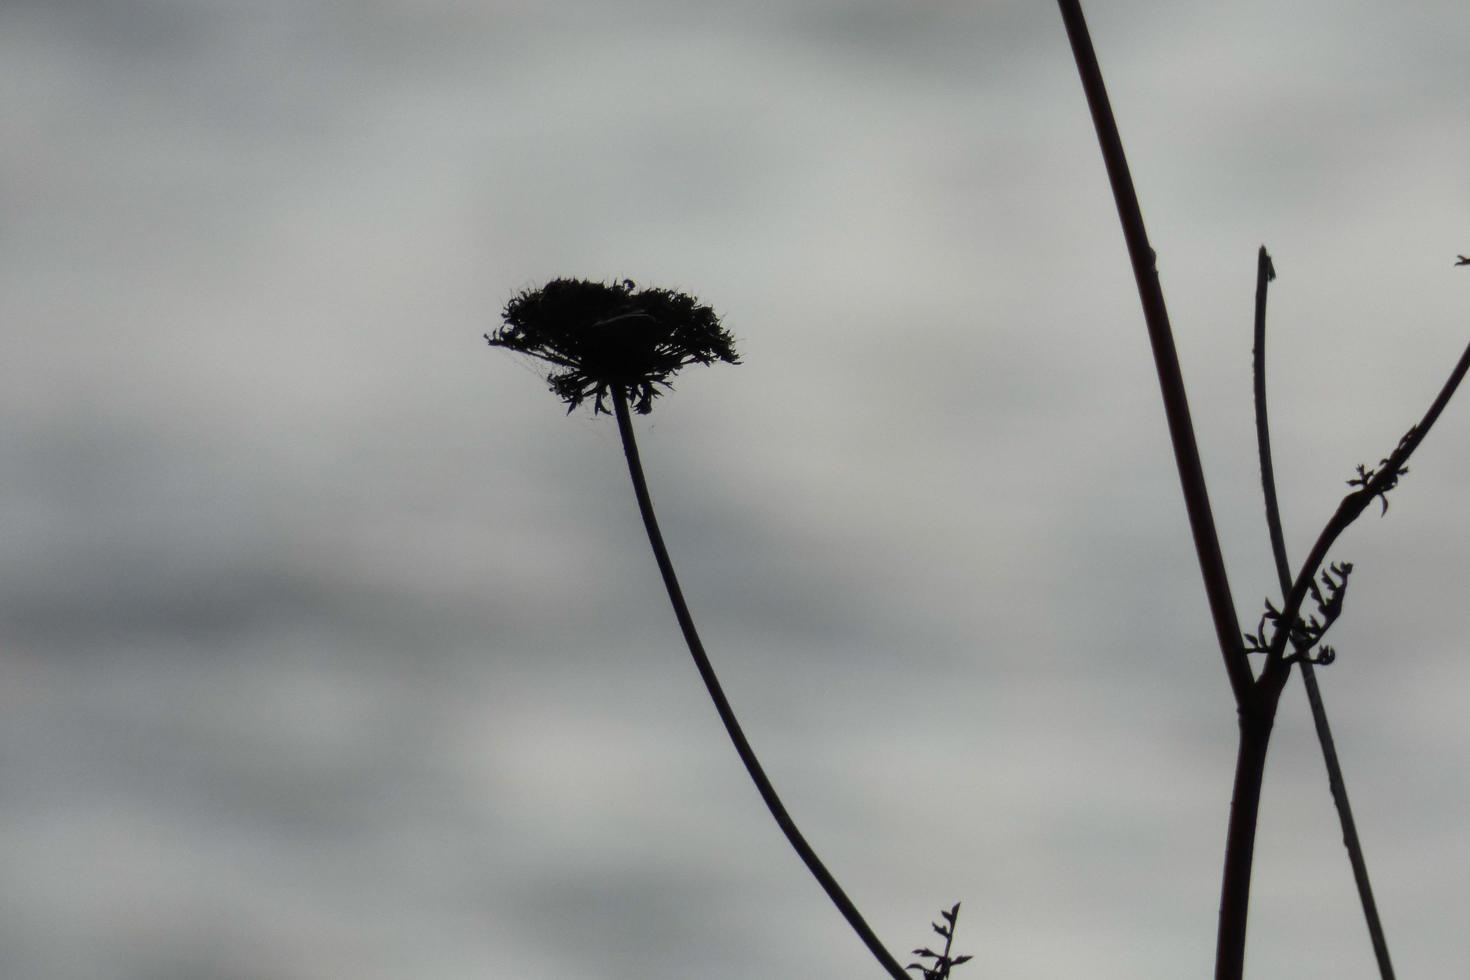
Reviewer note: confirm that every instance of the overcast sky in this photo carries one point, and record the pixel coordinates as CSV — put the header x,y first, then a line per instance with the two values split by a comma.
x,y
330,646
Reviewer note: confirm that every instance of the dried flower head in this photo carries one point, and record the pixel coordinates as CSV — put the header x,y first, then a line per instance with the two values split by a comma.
x,y
603,337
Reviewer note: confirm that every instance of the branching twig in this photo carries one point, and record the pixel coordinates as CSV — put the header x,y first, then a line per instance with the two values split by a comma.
x,y
1371,483
1256,697
942,963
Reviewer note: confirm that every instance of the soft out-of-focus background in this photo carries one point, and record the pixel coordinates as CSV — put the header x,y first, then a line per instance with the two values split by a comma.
x,y
331,648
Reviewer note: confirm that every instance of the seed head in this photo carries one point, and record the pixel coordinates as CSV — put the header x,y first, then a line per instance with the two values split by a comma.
x,y
601,337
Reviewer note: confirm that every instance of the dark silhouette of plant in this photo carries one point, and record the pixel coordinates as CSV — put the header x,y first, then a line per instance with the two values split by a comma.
x,y
1332,606
603,338
940,963
1256,694
608,341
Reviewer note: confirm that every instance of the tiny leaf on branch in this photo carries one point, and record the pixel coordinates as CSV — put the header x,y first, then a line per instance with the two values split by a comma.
x,y
942,962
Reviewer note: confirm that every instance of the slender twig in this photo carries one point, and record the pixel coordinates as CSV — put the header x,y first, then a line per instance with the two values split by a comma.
x,y
1265,272
1166,357
722,705
1353,505
944,964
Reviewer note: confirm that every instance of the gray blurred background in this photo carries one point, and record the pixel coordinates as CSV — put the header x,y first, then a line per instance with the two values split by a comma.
x,y
330,647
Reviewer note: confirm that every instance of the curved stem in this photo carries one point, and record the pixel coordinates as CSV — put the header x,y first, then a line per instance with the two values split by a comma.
x,y
1265,273
1356,502
722,705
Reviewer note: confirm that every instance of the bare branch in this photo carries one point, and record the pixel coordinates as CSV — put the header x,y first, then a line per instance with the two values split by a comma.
x,y
1265,272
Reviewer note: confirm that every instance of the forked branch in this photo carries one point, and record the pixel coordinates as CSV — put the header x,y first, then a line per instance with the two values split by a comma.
x,y
1256,697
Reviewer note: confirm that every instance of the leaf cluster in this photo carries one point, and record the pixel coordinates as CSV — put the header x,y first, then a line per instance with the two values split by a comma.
x,y
603,337
941,963
1377,481
1307,633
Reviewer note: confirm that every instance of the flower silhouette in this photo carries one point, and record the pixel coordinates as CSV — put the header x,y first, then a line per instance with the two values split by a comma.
x,y
606,337
612,340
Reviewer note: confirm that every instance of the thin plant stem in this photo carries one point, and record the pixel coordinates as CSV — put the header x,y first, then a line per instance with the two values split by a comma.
x,y
722,704
1240,842
1264,273
1353,505
1255,699
1255,717
1166,357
